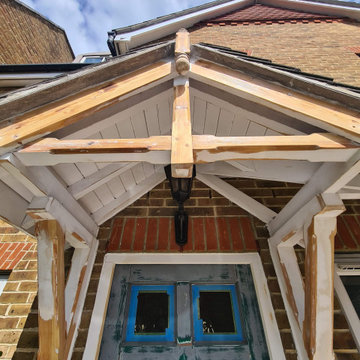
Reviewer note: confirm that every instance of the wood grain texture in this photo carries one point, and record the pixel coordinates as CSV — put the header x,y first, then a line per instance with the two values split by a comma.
x,y
181,140
182,51
51,295
57,115
330,117
319,282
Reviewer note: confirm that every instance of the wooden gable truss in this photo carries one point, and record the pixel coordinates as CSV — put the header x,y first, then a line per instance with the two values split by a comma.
x,y
292,131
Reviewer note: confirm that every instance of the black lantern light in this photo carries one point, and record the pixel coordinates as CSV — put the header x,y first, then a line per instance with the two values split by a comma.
x,y
180,191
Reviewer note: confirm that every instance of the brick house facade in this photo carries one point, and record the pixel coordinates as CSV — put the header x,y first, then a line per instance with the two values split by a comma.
x,y
216,225
29,38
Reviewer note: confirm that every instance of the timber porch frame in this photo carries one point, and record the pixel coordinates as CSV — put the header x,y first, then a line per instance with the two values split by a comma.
x,y
309,219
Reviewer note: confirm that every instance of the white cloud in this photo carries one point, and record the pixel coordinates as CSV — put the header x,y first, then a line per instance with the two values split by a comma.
x,y
87,22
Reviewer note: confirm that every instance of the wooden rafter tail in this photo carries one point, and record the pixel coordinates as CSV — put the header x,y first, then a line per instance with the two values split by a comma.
x,y
182,158
67,111
182,52
330,117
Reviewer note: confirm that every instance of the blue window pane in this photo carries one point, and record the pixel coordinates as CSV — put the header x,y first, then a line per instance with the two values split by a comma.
x,y
151,314
216,313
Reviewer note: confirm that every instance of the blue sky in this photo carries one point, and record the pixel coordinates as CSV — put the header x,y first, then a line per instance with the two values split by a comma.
x,y
87,22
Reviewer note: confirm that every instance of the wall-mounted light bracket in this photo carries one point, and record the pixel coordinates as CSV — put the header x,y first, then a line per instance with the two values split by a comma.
x,y
180,191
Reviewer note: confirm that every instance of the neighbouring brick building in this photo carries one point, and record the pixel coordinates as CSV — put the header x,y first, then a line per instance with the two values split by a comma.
x,y
26,38
299,52
29,38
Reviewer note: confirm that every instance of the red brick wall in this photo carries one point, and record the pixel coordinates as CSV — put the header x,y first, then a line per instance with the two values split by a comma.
x,y
17,253
28,38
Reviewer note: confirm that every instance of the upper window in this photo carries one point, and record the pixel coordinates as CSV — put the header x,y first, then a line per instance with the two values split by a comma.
x,y
216,313
93,59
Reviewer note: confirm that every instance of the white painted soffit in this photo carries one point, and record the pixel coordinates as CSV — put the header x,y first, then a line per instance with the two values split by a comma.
x,y
156,31
132,39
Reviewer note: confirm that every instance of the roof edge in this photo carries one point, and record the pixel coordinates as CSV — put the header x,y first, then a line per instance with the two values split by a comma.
x,y
136,35
27,99
296,82
123,39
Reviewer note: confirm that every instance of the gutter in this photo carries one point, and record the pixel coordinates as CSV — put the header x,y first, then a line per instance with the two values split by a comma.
x,y
120,42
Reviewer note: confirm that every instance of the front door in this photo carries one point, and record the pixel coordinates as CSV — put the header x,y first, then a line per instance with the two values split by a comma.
x,y
183,312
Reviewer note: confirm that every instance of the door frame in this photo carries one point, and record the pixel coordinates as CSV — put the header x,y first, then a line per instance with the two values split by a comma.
x,y
271,329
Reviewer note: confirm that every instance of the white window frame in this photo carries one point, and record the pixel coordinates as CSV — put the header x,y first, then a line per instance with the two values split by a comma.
x,y
271,330
347,307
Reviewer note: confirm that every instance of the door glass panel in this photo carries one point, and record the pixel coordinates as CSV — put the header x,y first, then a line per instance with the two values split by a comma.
x,y
216,313
152,314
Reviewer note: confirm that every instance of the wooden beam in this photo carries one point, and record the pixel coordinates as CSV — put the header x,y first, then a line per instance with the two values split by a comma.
x,y
127,198
238,197
277,170
319,282
324,178
330,117
314,147
51,290
182,158
48,208
46,180
182,52
75,292
12,206
57,115
295,293
100,177
206,148
155,149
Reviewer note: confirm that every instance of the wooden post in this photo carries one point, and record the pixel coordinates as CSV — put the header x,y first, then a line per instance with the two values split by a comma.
x,y
51,293
182,52
319,283
182,158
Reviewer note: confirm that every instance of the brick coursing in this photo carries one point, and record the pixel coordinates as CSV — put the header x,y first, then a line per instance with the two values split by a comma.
x,y
28,38
318,48
17,253
204,205
326,48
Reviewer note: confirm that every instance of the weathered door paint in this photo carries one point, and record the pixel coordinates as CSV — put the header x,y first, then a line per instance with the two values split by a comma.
x,y
115,347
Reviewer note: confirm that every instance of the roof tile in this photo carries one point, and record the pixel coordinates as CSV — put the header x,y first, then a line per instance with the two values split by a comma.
x,y
261,12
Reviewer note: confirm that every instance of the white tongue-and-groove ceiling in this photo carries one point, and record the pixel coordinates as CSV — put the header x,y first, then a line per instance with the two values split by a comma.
x,y
99,185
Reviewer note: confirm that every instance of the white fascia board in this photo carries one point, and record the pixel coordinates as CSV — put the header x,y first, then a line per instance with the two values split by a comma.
x,y
157,31
315,7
